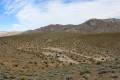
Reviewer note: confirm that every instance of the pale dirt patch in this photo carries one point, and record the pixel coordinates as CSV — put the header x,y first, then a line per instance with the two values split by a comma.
x,y
55,49
60,50
61,57
66,59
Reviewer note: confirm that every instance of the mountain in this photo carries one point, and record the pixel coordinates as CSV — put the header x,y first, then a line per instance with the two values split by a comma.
x,y
90,26
2,33
52,28
98,26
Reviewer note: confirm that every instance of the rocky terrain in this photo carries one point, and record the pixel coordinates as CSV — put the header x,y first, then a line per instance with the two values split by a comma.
x,y
60,56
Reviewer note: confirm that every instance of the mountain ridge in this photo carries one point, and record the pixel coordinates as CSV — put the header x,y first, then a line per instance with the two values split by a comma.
x,y
91,26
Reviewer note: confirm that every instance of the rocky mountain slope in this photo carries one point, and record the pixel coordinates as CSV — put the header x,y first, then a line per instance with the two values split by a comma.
x,y
90,26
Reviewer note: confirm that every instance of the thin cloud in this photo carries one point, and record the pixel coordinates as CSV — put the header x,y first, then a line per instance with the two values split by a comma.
x,y
13,6
36,13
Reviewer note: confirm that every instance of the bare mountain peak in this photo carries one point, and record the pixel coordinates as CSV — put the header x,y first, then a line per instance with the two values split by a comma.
x,y
106,20
93,21
112,20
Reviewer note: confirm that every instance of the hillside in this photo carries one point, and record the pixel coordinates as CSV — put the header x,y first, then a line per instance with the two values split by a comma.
x,y
62,52
60,56
90,26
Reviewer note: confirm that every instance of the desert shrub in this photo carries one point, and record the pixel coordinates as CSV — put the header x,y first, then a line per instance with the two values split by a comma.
x,y
85,72
98,63
68,78
114,77
24,78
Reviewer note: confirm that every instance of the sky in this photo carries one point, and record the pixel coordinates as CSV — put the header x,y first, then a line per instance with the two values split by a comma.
x,y
21,15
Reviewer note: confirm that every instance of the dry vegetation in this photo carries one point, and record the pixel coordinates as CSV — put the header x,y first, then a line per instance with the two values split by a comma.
x,y
60,56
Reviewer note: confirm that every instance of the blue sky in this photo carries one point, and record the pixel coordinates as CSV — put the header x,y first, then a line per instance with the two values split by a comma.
x,y
20,15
